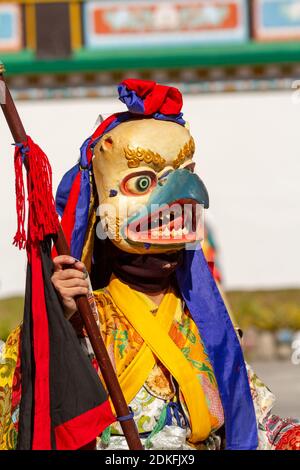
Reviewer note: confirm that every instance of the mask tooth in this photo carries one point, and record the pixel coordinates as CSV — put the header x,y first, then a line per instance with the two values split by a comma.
x,y
166,232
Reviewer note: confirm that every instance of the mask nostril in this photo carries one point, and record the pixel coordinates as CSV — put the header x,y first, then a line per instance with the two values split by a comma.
x,y
163,178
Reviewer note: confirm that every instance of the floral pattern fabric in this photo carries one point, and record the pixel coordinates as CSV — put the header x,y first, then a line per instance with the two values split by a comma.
x,y
123,343
10,391
159,389
271,428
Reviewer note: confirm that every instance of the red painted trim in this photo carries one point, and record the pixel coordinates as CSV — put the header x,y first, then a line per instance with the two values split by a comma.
x,y
41,420
83,429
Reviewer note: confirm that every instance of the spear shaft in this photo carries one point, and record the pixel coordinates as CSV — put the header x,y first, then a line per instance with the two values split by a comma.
x,y
128,426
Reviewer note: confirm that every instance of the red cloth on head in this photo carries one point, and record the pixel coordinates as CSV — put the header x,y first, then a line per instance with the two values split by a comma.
x,y
157,98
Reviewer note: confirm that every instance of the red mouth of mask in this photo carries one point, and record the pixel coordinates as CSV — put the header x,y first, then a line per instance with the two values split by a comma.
x,y
178,223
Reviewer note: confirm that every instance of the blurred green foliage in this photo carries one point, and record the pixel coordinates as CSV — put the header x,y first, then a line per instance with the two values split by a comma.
x,y
11,313
268,310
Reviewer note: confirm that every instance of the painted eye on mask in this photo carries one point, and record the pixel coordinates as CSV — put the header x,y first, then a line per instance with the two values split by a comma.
x,y
139,184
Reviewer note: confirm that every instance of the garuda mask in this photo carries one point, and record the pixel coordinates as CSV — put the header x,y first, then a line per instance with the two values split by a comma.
x,y
136,173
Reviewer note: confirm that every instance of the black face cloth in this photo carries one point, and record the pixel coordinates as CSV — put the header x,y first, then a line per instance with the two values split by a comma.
x,y
145,273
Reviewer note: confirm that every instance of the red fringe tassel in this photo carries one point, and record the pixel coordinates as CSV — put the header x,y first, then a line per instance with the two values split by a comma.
x,y
43,219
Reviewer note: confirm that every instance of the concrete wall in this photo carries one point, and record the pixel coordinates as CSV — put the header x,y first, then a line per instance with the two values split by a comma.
x,y
248,153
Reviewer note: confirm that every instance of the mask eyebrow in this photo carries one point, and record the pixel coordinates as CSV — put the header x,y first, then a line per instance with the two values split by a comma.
x,y
186,153
135,156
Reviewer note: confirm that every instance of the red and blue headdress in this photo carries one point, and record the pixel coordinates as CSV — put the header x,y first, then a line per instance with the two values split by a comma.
x,y
143,98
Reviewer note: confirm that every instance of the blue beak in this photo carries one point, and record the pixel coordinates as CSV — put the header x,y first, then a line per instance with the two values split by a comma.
x,y
179,185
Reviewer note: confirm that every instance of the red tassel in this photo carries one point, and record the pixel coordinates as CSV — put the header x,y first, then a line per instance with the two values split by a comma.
x,y
42,220
20,236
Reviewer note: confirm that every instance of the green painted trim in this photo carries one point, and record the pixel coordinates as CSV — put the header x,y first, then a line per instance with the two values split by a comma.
x,y
88,60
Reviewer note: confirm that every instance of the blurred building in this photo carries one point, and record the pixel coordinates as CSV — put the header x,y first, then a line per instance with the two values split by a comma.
x,y
81,48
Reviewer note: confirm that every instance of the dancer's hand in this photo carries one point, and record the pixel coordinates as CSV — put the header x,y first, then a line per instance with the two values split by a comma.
x,y
69,282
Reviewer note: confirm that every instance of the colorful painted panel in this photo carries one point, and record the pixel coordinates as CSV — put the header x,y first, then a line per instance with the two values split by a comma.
x,y
10,27
155,23
276,19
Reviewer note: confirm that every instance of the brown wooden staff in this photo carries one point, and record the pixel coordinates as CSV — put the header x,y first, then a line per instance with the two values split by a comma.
x,y
130,431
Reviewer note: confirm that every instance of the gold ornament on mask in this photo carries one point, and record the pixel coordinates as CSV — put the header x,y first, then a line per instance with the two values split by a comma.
x,y
186,153
118,237
137,155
